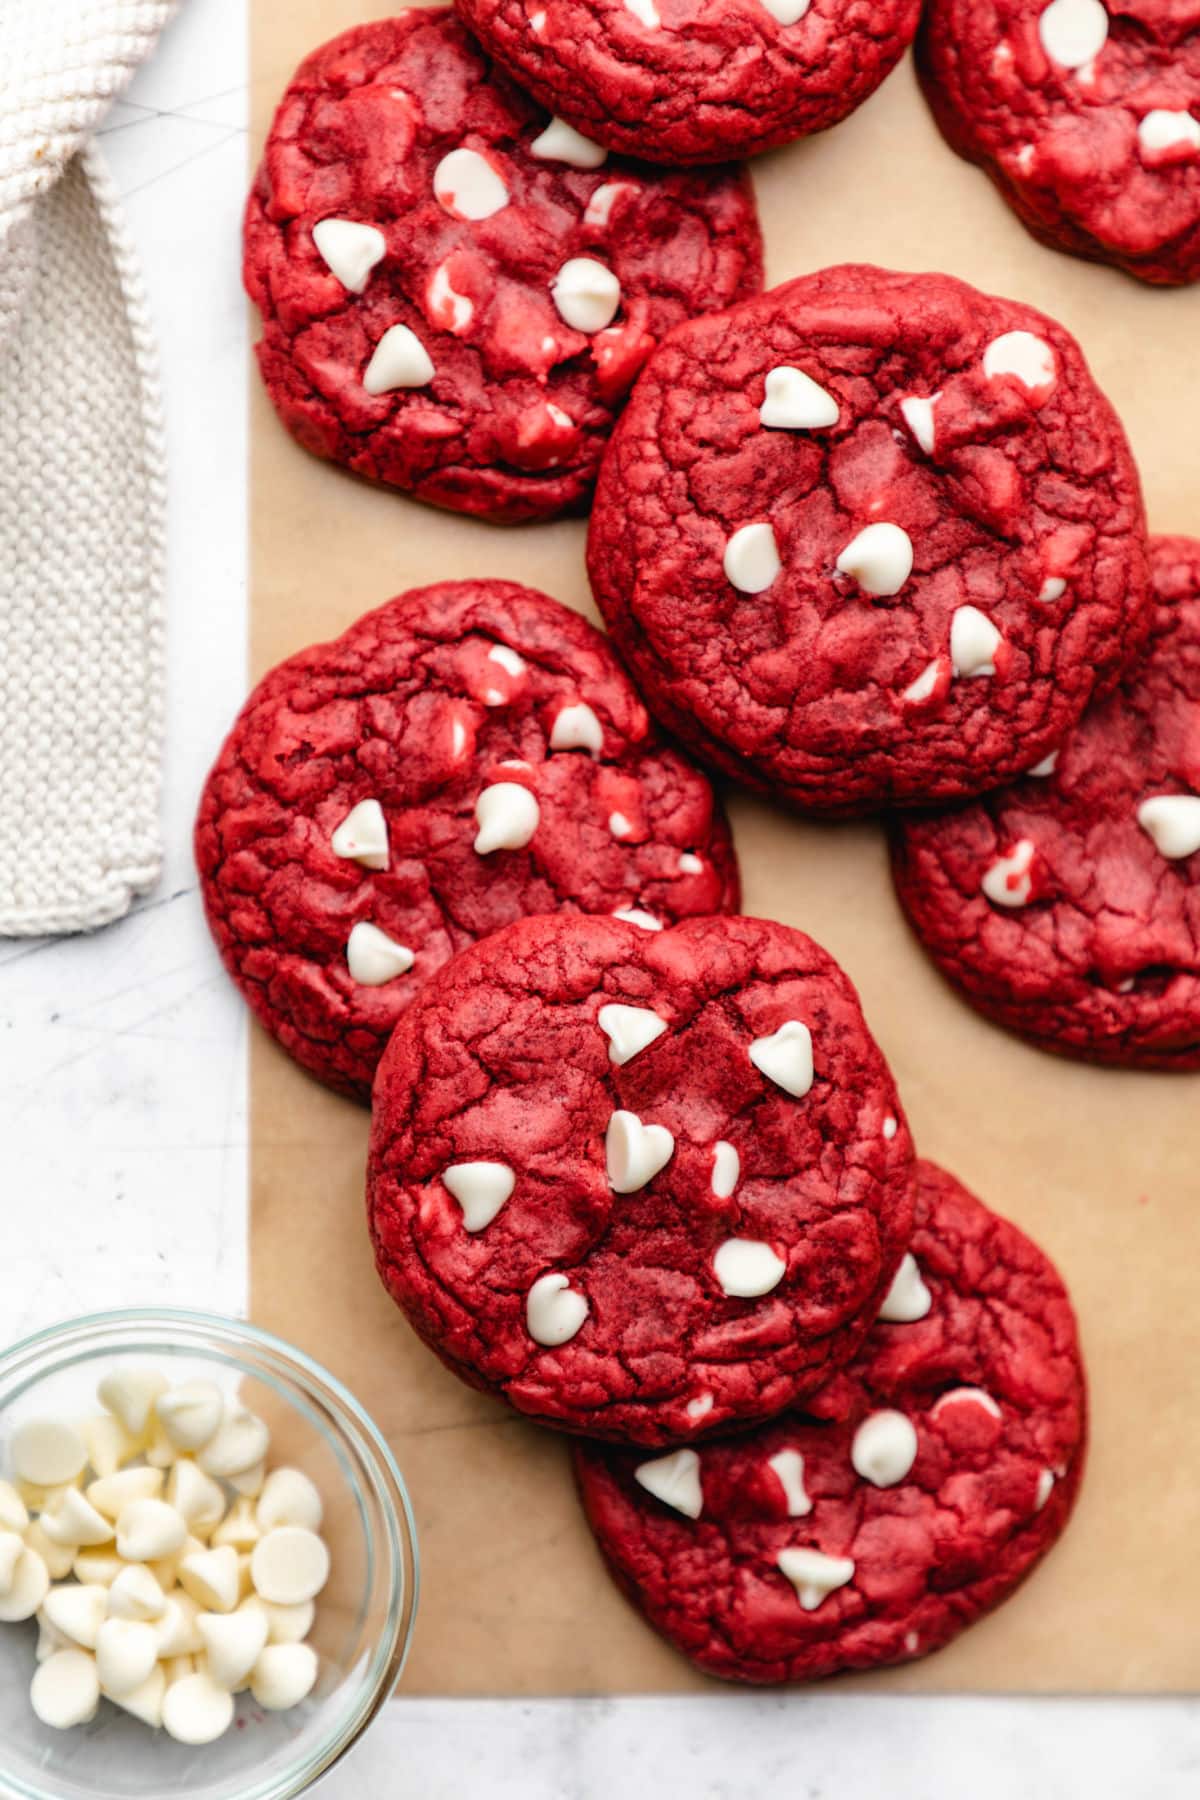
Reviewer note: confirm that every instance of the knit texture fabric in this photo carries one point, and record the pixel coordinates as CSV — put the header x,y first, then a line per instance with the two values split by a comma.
x,y
82,483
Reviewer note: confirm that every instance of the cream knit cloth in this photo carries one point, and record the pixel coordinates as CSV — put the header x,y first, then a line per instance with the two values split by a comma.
x,y
82,483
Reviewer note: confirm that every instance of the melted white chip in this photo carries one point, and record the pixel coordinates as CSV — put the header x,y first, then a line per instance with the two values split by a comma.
x,y
1162,131
560,142
700,1407
1029,359
633,915
598,210
1008,881
1173,821
690,865
972,1395
752,558
508,659
923,687
675,1480
349,250
66,1690
786,1057
727,1166
1073,31
577,728
619,825
974,642
635,1153
400,360
917,414
1053,588
466,184
1045,1488
908,1299
362,836
787,12
746,1269
507,815
880,559
890,1128
481,1189
586,294
628,1030
788,1466
554,1310
1047,765
373,957
795,402
814,1575
645,11
884,1448
451,309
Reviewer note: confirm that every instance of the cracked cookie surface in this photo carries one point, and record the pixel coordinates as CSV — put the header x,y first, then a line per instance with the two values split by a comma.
x,y
1086,117
870,539
639,1184
1067,906
922,1485
422,707
456,300
690,81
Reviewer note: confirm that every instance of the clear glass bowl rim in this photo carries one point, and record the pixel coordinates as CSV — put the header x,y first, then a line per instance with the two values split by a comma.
x,y
78,1338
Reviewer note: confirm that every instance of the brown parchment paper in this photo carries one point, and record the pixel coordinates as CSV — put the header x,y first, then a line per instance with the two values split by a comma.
x,y
1102,1167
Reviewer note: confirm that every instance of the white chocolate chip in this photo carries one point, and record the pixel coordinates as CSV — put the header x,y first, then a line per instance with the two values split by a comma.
x,y
675,1480
1027,358
450,309
176,1630
793,401
635,1153
289,1498
972,1395
399,360
1008,881
1053,588
283,1676
239,1528
289,1565
1046,767
109,1445
190,1413
77,1611
129,1393
727,1167
12,1548
880,559
751,561
890,1128
75,1521
349,250
1173,822
690,865
700,1407
240,1444
14,1514
481,1189
974,641
787,12
629,1029
211,1578
1045,1488
135,1594
196,1497
917,413
126,1652
507,815
577,728
912,1642
1161,132
554,1310
619,825
233,1643
28,1586
746,1269
786,1057
362,836
98,1568
788,1467
66,1690
467,185
373,957
149,1530
645,12
112,1492
560,142
925,684
47,1452
250,1481
537,22
908,1299
814,1575
1073,32
634,915
598,210
285,1624
884,1448
146,1702
196,1710
586,294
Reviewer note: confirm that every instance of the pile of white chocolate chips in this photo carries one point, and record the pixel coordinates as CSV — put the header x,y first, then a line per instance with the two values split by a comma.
x,y
167,1569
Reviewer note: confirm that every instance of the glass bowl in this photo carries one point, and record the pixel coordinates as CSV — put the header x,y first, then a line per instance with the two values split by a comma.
x,y
364,1616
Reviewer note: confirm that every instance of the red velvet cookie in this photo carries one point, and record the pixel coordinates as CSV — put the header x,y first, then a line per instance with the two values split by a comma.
x,y
929,1479
1086,117
690,81
870,538
640,1184
467,754
457,292
1067,906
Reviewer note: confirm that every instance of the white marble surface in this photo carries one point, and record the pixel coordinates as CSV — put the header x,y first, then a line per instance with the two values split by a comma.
x,y
123,1121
